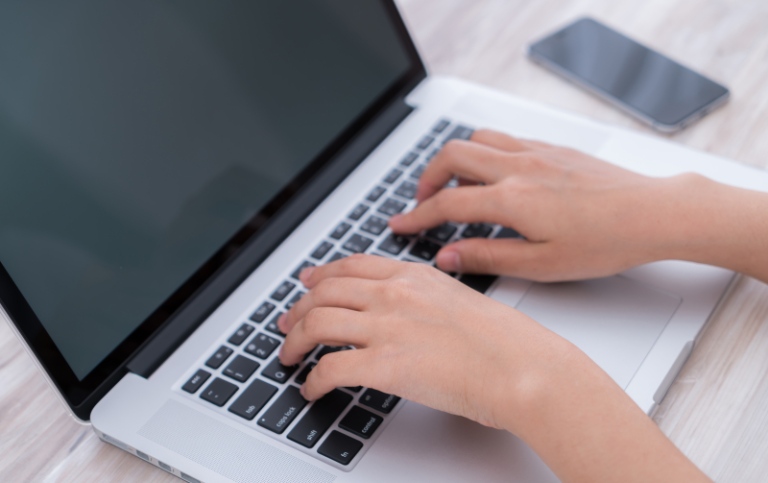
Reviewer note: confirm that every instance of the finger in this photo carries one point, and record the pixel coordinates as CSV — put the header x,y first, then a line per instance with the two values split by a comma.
x,y
505,142
330,326
358,266
338,369
466,204
465,159
344,292
513,257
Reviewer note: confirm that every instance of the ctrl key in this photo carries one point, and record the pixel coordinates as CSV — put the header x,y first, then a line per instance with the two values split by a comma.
x,y
340,447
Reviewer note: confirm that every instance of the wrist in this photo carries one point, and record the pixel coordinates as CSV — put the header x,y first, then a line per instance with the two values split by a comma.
x,y
704,221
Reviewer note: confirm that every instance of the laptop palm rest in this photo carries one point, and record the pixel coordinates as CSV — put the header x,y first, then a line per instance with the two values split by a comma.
x,y
614,320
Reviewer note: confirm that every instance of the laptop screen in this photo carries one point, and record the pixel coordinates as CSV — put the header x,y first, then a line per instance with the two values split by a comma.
x,y
138,138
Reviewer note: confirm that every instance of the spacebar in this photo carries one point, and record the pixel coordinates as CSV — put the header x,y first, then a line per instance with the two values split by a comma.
x,y
481,283
319,418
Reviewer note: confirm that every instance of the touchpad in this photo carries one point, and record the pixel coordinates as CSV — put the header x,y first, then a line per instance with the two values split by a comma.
x,y
614,320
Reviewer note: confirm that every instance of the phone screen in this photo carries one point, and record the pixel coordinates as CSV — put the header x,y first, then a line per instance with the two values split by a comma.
x,y
645,82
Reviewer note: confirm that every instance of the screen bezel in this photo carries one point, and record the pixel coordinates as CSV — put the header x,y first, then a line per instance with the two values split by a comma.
x,y
696,111
77,393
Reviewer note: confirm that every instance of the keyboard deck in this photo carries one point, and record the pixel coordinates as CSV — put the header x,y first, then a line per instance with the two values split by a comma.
x,y
242,372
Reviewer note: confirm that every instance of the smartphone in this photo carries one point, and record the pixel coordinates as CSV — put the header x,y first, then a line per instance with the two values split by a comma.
x,y
651,87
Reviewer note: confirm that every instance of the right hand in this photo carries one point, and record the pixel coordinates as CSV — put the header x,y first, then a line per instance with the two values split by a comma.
x,y
581,217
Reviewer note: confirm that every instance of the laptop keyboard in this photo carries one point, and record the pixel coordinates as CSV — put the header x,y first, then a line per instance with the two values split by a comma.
x,y
242,373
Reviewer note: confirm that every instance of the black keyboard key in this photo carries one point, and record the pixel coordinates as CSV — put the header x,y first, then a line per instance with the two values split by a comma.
x,y
196,381
425,142
407,190
293,300
441,125
301,267
391,207
262,312
416,173
379,400
218,392
392,176
301,377
358,212
253,399
283,290
272,325
278,372
477,230
355,389
442,233
218,358
336,256
459,132
360,422
409,159
357,243
507,233
394,244
242,333
481,283
425,249
262,346
340,230
241,368
322,250
340,447
375,194
319,418
374,225
283,411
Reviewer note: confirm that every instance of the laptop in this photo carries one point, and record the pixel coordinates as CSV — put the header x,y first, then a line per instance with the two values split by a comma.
x,y
168,167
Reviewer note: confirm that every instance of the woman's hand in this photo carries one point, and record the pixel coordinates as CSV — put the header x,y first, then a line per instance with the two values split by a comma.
x,y
421,335
424,336
581,217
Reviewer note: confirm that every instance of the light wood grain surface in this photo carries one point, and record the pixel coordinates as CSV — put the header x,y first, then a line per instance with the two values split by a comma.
x,y
717,410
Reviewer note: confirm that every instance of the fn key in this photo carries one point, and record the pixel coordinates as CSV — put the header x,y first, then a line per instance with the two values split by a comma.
x,y
340,447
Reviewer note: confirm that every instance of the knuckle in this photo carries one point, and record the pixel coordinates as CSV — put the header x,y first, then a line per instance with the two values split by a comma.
x,y
326,368
313,322
324,291
442,201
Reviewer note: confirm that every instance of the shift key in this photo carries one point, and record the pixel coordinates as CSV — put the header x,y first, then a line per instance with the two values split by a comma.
x,y
284,410
319,418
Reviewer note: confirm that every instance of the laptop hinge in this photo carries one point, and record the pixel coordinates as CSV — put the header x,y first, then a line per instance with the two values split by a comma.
x,y
180,326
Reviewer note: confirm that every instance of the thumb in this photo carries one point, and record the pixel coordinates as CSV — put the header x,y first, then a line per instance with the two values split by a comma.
x,y
510,257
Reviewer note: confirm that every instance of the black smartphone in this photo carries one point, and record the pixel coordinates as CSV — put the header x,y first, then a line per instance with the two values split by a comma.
x,y
649,86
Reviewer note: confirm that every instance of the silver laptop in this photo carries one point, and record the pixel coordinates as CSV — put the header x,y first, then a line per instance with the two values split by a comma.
x,y
169,166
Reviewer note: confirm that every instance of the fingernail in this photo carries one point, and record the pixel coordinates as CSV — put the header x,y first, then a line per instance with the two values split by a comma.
x,y
305,274
303,392
449,261
281,323
395,221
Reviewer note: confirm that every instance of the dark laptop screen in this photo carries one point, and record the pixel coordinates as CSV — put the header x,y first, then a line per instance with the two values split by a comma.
x,y
137,138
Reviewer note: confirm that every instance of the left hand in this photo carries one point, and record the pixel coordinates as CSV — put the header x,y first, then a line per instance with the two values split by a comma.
x,y
421,335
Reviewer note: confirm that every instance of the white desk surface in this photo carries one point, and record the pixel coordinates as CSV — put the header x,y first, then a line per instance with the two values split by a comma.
x,y
716,411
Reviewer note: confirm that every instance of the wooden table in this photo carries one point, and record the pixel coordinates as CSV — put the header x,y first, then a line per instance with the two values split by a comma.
x,y
716,412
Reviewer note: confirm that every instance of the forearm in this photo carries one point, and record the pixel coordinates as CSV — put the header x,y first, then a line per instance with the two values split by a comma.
x,y
715,224
587,429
